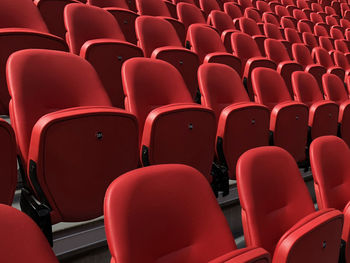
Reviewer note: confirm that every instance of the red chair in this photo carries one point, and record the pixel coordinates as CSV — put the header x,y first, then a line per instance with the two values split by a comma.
x,y
248,52
270,18
209,5
232,10
22,27
278,213
223,23
310,40
302,55
324,59
152,193
206,42
342,61
158,39
273,31
189,14
18,231
288,120
250,27
326,43
292,35
278,53
329,157
124,12
334,90
223,92
168,119
64,134
323,114
102,43
161,8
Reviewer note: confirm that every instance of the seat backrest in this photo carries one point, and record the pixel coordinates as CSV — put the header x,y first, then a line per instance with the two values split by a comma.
x,y
272,31
221,21
272,193
57,80
269,87
320,30
21,239
220,86
21,14
154,32
249,26
276,51
299,14
325,43
329,158
305,88
209,5
302,54
309,39
333,88
189,14
341,46
344,23
303,27
316,18
152,193
151,83
316,7
292,35
232,10
336,33
204,40
322,56
252,13
329,10
77,19
330,20
341,60
281,11
244,47
269,18
152,8
263,6
109,3
302,4
287,23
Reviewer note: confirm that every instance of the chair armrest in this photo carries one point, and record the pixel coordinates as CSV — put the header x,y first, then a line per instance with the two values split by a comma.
x,y
244,255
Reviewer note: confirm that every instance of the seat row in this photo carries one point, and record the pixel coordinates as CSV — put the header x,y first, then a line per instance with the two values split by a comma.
x,y
145,206
67,130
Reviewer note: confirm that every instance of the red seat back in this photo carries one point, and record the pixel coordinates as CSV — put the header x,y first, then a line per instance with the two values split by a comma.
x,y
329,158
204,40
333,88
269,87
154,32
152,193
305,88
80,29
268,179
